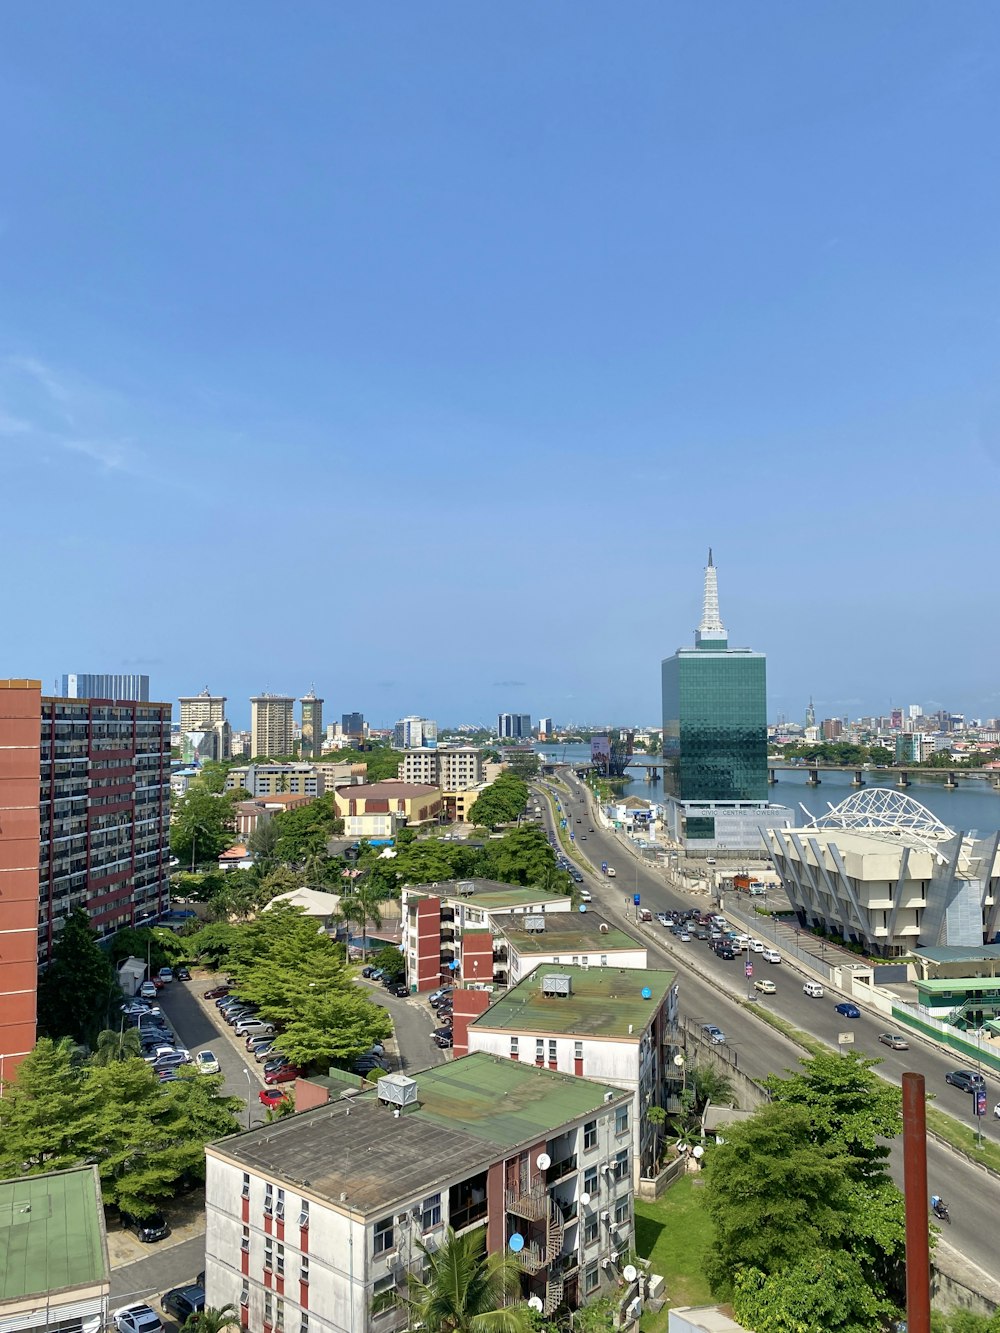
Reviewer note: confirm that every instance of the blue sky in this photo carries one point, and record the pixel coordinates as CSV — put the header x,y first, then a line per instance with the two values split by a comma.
x,y
420,351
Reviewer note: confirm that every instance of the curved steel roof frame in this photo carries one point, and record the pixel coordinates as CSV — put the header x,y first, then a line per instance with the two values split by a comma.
x,y
882,809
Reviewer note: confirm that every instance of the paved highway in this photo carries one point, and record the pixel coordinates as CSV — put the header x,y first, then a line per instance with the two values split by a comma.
x,y
711,990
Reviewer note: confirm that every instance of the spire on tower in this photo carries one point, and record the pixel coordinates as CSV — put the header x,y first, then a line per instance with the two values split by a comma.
x,y
711,632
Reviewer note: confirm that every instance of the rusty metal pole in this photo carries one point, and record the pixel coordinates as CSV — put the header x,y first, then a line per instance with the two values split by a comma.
x,y
918,1265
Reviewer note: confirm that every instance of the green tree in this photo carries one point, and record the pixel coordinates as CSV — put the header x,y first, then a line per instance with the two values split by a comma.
x,y
775,1196
305,830
878,754
262,845
213,1319
361,907
202,824
826,1292
213,774
41,1109
500,803
382,762
212,944
465,1290
388,958
710,1085
112,1045
78,988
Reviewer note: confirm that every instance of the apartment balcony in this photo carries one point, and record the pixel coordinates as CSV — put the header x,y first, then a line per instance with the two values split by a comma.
x,y
447,914
559,1170
532,1258
469,1216
500,954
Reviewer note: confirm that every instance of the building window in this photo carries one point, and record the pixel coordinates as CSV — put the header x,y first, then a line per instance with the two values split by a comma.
x,y
246,1185
604,960
430,1213
304,1269
383,1236
621,1164
590,1135
621,1212
513,1047
280,1264
590,1230
268,1198
279,1207
268,1253
539,1050
279,1313
591,1279
245,1241
621,1119
304,1215
552,1052
304,1322
590,1181
575,959
268,1308
245,1293
578,1050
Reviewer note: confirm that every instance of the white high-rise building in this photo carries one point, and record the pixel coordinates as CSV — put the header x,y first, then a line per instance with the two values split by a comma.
x,y
272,726
415,733
200,712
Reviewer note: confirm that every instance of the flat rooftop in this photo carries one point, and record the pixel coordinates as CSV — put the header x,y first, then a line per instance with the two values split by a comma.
x,y
489,893
51,1233
472,1111
603,1002
566,932
968,953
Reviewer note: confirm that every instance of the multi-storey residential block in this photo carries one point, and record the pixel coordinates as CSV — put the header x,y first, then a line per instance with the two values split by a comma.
x,y
200,712
272,729
127,685
612,1024
522,942
412,802
273,779
310,1218
452,768
414,733
85,788
454,922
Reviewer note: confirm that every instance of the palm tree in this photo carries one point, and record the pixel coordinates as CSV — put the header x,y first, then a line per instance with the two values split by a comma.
x,y
362,906
711,1085
463,1290
115,1045
212,1319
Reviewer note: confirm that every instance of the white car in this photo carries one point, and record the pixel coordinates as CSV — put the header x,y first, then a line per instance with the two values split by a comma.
x,y
148,991
206,1063
741,942
771,956
137,1319
755,946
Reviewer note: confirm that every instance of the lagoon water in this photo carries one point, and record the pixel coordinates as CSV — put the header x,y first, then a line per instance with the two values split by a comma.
x,y
972,806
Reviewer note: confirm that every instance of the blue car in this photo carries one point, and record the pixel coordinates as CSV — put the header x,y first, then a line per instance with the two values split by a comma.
x,y
849,1010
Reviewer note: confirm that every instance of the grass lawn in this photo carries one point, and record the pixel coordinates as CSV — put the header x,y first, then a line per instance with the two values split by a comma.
x,y
675,1233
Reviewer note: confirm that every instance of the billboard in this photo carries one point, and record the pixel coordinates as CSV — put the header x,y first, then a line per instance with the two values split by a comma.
x,y
600,753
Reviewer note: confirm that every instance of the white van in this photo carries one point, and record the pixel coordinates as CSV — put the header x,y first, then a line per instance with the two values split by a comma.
x,y
814,989
612,872
770,955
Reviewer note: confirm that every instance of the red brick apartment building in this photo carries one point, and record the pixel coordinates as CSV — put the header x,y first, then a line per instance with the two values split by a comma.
x,y
84,822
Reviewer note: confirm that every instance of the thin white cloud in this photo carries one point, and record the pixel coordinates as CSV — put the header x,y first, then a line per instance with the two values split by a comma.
x,y
11,425
112,456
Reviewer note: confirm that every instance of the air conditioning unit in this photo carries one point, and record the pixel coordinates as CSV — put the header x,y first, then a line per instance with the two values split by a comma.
x,y
609,1096
606,1217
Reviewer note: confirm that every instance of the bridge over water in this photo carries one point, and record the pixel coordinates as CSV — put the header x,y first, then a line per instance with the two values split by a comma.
x,y
903,775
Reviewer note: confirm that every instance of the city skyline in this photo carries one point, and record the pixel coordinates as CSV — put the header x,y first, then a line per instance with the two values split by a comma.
x,y
602,291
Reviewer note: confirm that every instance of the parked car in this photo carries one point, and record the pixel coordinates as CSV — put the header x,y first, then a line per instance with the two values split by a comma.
x,y
894,1040
248,1024
133,1007
367,970
158,1051
182,973
215,993
444,1031
713,1033
272,1097
848,1010
152,1227
166,974
206,1063
182,1302
401,990
967,1080
437,996
148,990
443,1043
137,1319
275,1061
266,1053
283,1074
764,986
172,1060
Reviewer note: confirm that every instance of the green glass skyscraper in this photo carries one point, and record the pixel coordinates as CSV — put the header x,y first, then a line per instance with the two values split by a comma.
x,y
715,733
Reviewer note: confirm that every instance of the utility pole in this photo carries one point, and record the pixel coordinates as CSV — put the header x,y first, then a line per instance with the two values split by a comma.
x,y
918,1265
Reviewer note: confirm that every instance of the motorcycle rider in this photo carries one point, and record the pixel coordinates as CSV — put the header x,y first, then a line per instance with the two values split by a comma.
x,y
938,1206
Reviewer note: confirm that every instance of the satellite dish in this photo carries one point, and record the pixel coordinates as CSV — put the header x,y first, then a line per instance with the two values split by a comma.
x,y
630,1272
582,907
698,1153
516,1243
647,994
679,1059
585,1198
543,1161
454,964
535,1302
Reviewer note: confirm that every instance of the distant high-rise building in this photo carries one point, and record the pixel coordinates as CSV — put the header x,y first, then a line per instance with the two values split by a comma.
x,y
715,737
200,712
544,728
896,719
914,711
353,724
272,730
810,714
81,685
414,733
514,726
312,726
85,820
833,728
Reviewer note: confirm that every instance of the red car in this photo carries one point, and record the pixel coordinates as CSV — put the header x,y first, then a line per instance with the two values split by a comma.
x,y
283,1074
272,1097
216,993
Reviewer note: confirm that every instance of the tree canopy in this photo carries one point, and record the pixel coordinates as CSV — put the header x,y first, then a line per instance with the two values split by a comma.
x,y
78,988
145,1137
305,830
501,802
382,762
202,823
